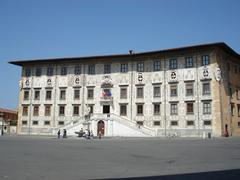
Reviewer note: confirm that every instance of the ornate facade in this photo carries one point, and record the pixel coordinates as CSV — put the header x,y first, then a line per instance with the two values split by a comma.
x,y
187,91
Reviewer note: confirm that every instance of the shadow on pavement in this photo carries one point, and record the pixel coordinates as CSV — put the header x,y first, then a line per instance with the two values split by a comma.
x,y
214,175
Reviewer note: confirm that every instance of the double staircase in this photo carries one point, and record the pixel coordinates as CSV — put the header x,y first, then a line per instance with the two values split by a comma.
x,y
139,130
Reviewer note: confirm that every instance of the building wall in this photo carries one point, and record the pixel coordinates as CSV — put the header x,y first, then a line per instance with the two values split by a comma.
x,y
130,80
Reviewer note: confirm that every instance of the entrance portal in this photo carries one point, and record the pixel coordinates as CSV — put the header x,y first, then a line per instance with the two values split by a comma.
x,y
106,109
100,128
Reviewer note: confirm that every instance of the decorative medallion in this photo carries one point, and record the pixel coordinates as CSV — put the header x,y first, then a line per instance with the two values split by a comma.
x,y
218,74
140,77
107,82
27,82
77,80
173,75
49,82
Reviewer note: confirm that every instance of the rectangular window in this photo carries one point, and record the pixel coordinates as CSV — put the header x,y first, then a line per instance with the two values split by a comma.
x,y
107,68
140,92
228,66
48,95
75,110
63,71
156,108
156,65
156,123
190,123
47,110
91,69
24,122
76,94
35,122
77,70
156,91
206,107
38,72
36,111
90,93
123,93
60,123
173,90
36,94
174,109
207,123
50,71
189,62
62,94
46,123
139,109
190,107
27,72
140,66
174,123
173,64
206,88
123,110
232,109
61,110
236,69
91,106
189,89
238,106
205,60
26,95
124,68
139,123
25,111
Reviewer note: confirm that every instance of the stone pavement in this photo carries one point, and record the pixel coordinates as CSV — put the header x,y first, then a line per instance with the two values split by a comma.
x,y
35,158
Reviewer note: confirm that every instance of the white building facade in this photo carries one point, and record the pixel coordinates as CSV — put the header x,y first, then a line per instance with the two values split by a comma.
x,y
161,93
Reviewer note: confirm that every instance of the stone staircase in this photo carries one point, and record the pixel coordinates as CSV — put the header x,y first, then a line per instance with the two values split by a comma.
x,y
76,125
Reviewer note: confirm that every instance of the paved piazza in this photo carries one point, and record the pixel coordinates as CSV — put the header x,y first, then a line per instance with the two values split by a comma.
x,y
34,158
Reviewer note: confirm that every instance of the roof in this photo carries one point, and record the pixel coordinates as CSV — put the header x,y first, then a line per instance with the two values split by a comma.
x,y
221,45
8,111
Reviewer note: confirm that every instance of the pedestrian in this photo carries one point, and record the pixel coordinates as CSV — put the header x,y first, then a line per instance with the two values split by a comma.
x,y
89,134
99,135
59,134
64,133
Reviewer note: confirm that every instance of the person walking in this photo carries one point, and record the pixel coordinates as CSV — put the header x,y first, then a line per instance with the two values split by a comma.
x,y
64,133
59,134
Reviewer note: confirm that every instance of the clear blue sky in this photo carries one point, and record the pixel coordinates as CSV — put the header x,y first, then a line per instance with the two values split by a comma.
x,y
61,28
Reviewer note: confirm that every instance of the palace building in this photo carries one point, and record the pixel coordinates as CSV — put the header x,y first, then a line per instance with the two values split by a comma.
x,y
189,92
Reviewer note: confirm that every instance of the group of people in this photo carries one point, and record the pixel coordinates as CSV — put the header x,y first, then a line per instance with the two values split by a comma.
x,y
64,133
87,134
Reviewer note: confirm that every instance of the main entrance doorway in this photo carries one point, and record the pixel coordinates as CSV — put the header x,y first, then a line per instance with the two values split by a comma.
x,y
106,109
101,128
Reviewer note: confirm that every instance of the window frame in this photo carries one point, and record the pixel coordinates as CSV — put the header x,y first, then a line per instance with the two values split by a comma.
x,y
156,65
189,63
207,109
140,66
173,108
173,63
